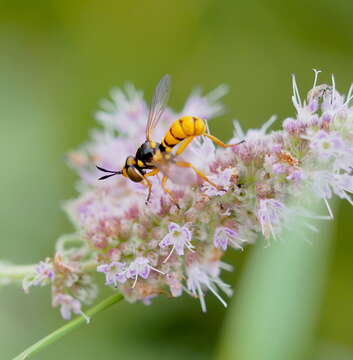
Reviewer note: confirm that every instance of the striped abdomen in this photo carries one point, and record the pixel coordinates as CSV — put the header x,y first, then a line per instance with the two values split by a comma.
x,y
181,129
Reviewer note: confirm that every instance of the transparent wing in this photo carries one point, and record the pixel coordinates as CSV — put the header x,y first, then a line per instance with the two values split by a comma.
x,y
176,174
159,102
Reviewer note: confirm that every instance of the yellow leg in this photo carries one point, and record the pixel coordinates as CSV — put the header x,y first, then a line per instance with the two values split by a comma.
x,y
220,143
198,172
184,144
164,180
152,173
148,184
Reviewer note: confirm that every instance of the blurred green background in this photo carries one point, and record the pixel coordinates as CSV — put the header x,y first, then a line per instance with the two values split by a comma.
x,y
59,58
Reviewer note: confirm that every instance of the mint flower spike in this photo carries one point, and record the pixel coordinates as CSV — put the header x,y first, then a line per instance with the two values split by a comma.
x,y
145,251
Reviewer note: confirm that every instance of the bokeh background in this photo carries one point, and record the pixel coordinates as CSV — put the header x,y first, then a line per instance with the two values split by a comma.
x,y
59,58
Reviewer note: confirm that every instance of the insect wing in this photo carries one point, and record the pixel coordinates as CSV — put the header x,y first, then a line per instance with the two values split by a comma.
x,y
177,175
159,102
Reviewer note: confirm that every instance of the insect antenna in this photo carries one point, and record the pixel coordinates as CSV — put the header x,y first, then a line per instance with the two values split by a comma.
x,y
111,173
105,170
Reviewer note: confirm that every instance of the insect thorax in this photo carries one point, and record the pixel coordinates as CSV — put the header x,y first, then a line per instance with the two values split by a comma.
x,y
148,152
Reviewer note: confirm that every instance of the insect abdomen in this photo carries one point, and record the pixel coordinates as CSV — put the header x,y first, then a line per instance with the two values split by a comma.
x,y
183,128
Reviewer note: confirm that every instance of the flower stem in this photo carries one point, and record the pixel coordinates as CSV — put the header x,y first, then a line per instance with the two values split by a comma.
x,y
68,327
10,273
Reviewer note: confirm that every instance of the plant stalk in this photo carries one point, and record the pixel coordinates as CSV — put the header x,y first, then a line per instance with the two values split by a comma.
x,y
68,327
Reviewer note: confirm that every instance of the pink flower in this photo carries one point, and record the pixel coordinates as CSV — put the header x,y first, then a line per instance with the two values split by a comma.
x,y
68,305
296,175
140,267
178,237
206,106
175,285
44,275
327,144
114,272
222,179
270,214
224,235
201,277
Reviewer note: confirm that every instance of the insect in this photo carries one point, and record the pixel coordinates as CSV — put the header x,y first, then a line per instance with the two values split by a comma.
x,y
150,156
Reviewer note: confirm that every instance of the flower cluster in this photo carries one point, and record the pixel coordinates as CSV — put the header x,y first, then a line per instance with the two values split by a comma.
x,y
71,284
147,250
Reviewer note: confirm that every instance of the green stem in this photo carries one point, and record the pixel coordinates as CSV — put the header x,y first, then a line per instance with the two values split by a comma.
x,y
68,327
15,272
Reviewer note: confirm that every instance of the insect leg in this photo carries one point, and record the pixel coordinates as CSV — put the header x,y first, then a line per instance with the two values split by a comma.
x,y
220,143
183,145
148,184
164,180
198,172
153,172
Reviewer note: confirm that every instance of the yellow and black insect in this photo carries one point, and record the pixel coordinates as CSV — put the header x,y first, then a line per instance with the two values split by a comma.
x,y
150,156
